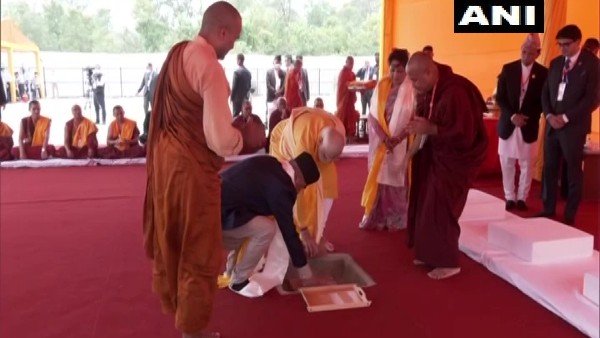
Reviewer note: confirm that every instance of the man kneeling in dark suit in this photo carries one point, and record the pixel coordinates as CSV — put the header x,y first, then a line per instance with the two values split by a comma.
x,y
257,197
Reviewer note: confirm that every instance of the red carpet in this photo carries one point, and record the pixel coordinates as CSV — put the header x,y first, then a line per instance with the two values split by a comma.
x,y
72,265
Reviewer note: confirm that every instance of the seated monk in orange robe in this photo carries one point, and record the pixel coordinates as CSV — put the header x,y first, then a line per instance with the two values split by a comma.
x,y
293,83
80,137
6,142
252,129
122,140
34,136
346,99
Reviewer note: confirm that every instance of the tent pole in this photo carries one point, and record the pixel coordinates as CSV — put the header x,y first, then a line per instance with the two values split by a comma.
x,y
11,73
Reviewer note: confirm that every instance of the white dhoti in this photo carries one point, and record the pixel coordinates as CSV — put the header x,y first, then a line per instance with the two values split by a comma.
x,y
277,260
513,150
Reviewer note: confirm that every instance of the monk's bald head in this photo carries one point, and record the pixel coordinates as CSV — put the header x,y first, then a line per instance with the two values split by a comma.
x,y
331,144
422,71
221,27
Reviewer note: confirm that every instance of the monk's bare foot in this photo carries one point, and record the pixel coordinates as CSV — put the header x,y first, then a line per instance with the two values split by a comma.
x,y
202,335
418,262
442,273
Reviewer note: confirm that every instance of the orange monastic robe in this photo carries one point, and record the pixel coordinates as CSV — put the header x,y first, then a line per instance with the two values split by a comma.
x,y
128,131
80,139
125,131
292,88
345,102
35,134
182,212
300,133
6,142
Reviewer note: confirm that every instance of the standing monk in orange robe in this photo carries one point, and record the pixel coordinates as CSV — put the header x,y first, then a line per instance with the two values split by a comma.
x,y
293,83
190,133
6,142
122,140
34,135
80,137
346,99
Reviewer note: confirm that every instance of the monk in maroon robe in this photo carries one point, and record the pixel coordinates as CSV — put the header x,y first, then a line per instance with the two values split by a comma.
x,y
293,83
34,136
6,142
122,139
281,113
80,137
252,129
450,118
346,98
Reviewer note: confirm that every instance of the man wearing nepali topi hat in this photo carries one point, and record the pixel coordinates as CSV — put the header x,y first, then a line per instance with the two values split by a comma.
x,y
520,99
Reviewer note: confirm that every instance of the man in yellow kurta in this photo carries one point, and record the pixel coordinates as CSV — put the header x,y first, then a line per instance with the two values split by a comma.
x,y
34,135
80,137
320,134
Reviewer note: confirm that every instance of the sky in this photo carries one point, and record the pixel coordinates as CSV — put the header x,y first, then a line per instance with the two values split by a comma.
x,y
122,10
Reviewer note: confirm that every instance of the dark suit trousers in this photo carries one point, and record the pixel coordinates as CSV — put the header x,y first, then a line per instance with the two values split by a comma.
x,y
562,144
365,99
99,103
237,107
147,105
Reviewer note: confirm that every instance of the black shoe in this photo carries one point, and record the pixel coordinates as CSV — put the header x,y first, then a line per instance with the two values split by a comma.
x,y
545,214
521,205
569,221
510,205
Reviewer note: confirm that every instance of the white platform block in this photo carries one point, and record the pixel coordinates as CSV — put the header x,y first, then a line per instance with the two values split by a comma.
x,y
490,211
540,240
591,283
482,208
478,197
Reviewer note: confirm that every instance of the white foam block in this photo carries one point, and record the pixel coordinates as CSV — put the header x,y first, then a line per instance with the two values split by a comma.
x,y
490,211
540,240
591,283
478,197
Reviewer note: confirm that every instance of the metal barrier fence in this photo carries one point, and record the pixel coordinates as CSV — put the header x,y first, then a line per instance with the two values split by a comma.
x,y
124,82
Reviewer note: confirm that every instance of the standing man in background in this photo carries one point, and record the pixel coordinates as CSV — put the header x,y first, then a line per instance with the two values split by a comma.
x,y
148,84
240,87
98,88
275,83
190,133
366,73
346,99
520,99
304,88
569,97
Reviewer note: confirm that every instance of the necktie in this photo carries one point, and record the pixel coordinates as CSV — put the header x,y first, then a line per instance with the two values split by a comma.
x,y
566,69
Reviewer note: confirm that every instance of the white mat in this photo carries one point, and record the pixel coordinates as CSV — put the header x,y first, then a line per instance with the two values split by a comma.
x,y
351,151
557,286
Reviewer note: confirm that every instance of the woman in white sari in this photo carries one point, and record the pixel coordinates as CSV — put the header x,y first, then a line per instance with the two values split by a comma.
x,y
385,194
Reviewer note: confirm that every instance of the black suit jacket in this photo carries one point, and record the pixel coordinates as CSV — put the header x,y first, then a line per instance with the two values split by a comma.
x,y
240,88
272,82
149,90
507,97
581,94
305,85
